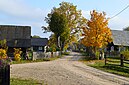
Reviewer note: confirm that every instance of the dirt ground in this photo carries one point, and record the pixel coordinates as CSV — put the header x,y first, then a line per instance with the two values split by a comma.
x,y
66,71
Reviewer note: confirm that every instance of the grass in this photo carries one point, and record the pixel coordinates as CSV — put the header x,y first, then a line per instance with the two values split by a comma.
x,y
112,67
66,53
17,81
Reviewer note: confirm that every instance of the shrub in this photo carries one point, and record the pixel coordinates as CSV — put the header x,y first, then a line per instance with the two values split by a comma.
x,y
125,54
17,54
97,54
3,54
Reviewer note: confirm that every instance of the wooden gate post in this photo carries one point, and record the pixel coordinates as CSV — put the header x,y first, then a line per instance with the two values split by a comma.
x,y
105,58
121,60
6,75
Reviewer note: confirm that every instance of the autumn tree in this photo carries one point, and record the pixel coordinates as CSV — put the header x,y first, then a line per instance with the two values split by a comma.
x,y
96,34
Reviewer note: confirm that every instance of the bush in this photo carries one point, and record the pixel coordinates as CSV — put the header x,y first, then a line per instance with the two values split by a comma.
x,y
125,54
97,54
17,54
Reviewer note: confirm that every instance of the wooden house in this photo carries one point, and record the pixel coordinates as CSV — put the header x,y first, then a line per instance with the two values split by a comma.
x,y
38,44
16,37
120,41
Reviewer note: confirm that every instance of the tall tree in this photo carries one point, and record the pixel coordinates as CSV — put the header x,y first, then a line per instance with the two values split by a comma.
x,y
58,24
97,34
74,17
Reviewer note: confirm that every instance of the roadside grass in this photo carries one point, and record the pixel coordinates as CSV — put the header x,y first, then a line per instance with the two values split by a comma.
x,y
18,81
111,67
66,53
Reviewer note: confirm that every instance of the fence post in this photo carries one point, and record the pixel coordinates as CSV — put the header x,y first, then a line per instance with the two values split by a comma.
x,y
6,75
122,60
105,58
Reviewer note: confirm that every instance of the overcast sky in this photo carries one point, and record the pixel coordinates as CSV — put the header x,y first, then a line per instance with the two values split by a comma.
x,y
33,12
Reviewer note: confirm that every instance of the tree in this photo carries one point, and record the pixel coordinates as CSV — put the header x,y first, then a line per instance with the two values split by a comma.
x,y
74,17
58,24
97,34
126,29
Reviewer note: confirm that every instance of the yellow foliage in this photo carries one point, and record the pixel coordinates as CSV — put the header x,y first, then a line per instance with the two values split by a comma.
x,y
97,34
3,54
17,54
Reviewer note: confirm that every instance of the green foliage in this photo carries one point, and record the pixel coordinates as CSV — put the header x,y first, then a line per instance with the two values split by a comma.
x,y
3,44
35,36
125,54
58,23
66,53
126,29
74,19
52,48
97,54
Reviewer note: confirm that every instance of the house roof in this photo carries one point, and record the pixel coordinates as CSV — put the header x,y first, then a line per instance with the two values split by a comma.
x,y
120,37
39,41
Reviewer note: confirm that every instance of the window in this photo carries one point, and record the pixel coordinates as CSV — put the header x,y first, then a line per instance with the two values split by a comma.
x,y
40,48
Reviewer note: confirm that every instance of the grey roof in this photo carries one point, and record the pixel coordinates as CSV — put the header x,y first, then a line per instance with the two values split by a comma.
x,y
120,37
39,41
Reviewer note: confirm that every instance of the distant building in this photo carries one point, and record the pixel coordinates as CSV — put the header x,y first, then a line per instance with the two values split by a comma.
x,y
38,44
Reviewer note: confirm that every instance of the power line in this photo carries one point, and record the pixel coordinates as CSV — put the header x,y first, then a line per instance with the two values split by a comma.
x,y
120,12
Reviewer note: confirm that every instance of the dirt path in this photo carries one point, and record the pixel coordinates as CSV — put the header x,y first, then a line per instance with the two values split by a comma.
x,y
66,71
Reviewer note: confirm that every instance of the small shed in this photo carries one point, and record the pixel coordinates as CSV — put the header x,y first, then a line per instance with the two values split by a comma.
x,y
38,44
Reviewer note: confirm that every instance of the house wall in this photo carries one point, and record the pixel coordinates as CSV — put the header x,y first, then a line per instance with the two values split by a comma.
x,y
16,37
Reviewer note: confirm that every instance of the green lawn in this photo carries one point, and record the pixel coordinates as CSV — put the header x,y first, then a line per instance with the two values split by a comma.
x,y
112,67
16,81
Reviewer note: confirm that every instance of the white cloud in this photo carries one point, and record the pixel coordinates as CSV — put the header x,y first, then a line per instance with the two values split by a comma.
x,y
17,12
20,9
118,23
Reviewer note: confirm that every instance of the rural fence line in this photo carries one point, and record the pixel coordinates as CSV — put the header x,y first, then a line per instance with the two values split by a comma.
x,y
121,62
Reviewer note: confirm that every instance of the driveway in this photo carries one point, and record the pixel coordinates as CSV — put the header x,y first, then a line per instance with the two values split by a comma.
x,y
66,71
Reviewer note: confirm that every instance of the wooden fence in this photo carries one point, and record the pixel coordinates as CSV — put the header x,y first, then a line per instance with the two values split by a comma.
x,y
121,61
5,75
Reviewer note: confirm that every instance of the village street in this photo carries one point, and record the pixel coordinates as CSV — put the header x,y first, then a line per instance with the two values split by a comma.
x,y
66,71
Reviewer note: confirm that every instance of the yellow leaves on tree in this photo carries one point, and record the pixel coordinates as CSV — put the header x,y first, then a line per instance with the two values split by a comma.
x,y
97,34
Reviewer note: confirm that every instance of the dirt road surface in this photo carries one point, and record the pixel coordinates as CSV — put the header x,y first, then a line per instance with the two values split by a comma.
x,y
66,71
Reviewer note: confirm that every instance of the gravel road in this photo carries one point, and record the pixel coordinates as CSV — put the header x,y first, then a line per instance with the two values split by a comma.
x,y
66,71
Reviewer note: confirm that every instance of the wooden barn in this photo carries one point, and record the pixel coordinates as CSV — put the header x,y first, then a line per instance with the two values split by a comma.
x,y
16,37
120,41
